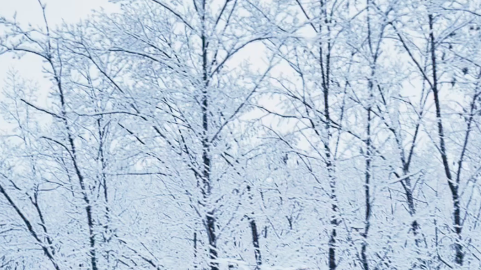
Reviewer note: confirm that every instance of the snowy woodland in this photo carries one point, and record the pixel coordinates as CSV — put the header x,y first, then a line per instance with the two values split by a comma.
x,y
245,134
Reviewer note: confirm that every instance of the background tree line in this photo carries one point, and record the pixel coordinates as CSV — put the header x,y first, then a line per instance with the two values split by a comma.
x,y
245,134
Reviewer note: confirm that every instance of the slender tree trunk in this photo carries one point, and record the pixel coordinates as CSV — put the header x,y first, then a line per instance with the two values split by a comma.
x,y
367,186
88,207
195,250
42,221
255,243
406,183
255,233
453,185
330,169
206,159
73,156
367,179
103,176
325,72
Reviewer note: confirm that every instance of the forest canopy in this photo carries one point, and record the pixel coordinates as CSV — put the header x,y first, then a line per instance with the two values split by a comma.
x,y
245,134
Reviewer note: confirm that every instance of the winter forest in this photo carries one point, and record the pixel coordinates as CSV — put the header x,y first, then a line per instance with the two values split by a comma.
x,y
244,134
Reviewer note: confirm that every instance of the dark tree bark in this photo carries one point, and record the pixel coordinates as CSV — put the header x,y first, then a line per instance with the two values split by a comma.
x,y
325,65
206,160
367,192
254,233
453,185
255,243
368,157
195,250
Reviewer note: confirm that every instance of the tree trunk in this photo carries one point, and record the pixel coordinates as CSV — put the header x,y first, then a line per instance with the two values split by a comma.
x,y
453,185
206,160
255,233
